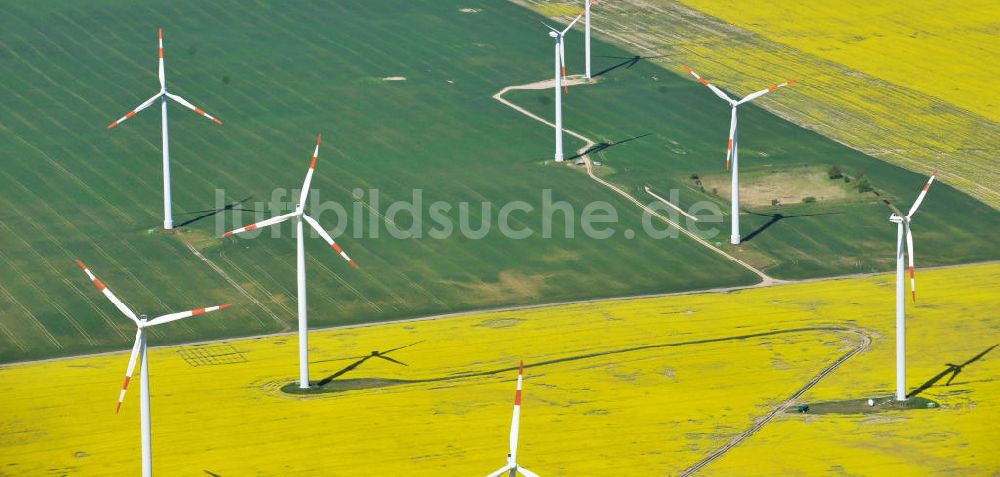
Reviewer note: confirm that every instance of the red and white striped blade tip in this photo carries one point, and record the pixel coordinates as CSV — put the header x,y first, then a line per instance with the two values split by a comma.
x,y
241,229
521,369
121,397
201,311
97,282
786,83
122,119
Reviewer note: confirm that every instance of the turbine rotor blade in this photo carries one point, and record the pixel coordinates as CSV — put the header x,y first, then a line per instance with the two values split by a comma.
x,y
550,28
578,17
718,92
264,223
163,76
500,471
920,198
322,233
732,134
130,369
909,256
526,472
562,61
145,104
190,106
515,422
753,96
184,314
107,292
309,174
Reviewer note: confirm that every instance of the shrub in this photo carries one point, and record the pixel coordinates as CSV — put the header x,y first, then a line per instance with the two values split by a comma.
x,y
775,202
835,173
808,200
864,185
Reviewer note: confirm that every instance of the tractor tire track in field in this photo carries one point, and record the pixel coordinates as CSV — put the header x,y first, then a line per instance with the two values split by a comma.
x,y
583,153
866,340
222,273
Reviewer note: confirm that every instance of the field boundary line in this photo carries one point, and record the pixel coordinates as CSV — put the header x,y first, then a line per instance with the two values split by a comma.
x,y
481,311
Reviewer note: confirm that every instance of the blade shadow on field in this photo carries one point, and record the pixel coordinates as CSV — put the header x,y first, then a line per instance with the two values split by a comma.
x,y
952,369
778,217
629,62
360,360
212,212
601,146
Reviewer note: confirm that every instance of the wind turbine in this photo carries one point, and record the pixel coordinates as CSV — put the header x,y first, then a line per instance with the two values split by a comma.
x,y
163,95
511,468
299,215
903,233
732,150
139,348
560,62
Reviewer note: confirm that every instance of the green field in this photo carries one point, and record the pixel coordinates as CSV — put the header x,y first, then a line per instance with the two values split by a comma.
x,y
680,130
277,76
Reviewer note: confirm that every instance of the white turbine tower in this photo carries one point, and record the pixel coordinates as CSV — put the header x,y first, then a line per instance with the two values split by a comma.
x,y
732,150
903,233
511,468
163,95
299,215
560,62
586,31
139,349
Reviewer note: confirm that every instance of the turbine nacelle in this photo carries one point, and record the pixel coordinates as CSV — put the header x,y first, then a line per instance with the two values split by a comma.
x,y
141,322
163,92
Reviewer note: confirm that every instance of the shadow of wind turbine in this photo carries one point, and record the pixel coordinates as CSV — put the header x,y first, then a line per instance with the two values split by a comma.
x,y
361,360
953,369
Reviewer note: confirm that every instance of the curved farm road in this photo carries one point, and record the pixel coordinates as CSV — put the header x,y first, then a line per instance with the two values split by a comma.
x,y
578,80
765,279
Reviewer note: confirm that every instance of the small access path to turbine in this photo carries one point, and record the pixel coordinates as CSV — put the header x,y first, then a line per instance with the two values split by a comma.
x,y
866,340
582,152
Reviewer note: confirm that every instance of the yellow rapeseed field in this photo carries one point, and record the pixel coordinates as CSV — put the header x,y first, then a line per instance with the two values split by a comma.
x,y
936,47
912,83
633,387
